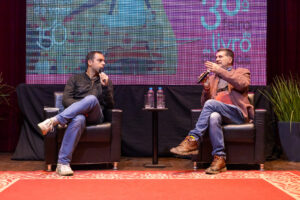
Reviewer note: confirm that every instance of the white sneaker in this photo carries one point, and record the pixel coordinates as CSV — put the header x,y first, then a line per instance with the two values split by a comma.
x,y
64,170
47,125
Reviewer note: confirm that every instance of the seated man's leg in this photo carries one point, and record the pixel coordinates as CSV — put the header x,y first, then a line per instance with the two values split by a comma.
x,y
216,134
232,115
72,135
217,141
229,114
189,144
87,106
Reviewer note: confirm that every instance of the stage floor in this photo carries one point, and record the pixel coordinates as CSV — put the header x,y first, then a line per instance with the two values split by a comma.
x,y
137,163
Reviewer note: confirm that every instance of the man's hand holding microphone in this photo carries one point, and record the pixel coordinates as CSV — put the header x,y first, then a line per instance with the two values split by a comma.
x,y
203,78
103,78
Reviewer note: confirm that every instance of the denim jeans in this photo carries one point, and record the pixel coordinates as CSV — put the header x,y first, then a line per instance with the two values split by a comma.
x,y
213,115
87,110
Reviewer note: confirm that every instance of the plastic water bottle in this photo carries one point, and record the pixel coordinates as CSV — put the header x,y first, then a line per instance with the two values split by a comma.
x,y
149,99
160,98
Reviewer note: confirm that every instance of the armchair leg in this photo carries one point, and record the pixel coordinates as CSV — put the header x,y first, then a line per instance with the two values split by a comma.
x,y
195,167
49,168
262,167
115,166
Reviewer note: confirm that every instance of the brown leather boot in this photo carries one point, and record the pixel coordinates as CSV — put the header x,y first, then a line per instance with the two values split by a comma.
x,y
188,146
218,165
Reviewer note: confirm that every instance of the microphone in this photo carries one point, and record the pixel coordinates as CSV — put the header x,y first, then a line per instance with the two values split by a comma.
x,y
102,79
100,71
202,77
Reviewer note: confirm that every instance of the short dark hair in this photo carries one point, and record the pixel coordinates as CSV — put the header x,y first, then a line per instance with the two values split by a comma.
x,y
90,56
229,53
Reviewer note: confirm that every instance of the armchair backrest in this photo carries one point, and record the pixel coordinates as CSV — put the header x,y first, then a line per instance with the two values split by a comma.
x,y
58,96
251,98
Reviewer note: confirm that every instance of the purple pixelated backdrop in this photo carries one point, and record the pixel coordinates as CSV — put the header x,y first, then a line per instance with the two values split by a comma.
x,y
152,42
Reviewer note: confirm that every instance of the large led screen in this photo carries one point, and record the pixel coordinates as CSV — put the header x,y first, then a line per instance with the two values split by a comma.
x,y
148,42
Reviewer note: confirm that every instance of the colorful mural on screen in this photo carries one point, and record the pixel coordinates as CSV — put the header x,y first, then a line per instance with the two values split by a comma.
x,y
154,42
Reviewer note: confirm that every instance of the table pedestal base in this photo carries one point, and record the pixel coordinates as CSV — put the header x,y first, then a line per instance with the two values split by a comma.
x,y
150,165
155,138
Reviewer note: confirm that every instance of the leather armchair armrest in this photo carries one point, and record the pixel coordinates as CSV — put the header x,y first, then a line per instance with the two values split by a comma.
x,y
107,115
50,112
116,126
195,113
50,140
50,147
260,129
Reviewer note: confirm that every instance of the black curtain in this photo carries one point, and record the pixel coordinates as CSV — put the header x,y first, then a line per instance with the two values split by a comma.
x,y
173,124
283,41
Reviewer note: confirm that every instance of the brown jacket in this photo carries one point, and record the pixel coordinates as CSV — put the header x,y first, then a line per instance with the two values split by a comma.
x,y
238,84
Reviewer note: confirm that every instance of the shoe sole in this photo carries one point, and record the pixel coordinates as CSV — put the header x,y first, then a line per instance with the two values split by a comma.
x,y
41,129
65,174
187,153
61,174
216,172
68,174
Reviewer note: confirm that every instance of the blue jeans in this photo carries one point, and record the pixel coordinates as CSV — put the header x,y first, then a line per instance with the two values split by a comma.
x,y
87,110
213,114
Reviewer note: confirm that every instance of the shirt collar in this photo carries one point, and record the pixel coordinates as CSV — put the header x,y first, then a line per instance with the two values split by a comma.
x,y
229,68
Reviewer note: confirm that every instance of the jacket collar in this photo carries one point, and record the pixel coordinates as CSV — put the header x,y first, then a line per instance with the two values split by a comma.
x,y
87,77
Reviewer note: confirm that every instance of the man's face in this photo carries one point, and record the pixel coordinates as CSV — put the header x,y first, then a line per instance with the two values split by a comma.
x,y
222,59
97,63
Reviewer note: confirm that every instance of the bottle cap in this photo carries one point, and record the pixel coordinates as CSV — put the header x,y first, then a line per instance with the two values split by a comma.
x,y
160,88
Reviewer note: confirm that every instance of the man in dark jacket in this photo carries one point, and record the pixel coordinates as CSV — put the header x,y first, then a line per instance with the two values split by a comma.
x,y
85,96
224,100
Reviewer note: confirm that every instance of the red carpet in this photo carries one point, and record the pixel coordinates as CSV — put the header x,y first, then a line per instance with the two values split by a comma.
x,y
150,185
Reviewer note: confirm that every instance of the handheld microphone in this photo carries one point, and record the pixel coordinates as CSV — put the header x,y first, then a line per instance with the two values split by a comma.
x,y
202,77
101,78
100,70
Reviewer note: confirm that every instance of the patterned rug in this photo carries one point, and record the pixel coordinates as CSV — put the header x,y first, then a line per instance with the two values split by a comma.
x,y
286,182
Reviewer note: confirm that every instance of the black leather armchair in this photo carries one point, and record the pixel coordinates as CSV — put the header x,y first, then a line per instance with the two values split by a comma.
x,y
98,144
244,143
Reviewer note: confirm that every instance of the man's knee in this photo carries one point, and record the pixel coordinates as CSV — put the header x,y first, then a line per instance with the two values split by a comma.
x,y
79,120
210,103
215,119
91,99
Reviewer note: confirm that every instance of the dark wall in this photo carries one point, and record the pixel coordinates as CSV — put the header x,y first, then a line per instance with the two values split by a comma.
x,y
12,66
283,42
